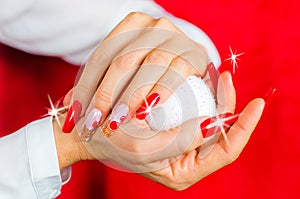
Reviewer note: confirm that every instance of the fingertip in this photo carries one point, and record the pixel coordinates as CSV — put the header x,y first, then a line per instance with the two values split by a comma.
x,y
257,105
68,97
226,77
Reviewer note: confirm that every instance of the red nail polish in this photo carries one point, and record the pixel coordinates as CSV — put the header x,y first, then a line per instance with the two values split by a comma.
x,y
72,116
213,125
118,115
269,96
150,102
213,75
113,125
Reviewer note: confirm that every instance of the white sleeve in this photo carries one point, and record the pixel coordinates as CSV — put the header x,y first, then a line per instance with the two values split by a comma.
x,y
71,29
29,164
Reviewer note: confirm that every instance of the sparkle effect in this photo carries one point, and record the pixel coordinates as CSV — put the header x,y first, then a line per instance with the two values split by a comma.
x,y
54,111
233,59
149,106
220,124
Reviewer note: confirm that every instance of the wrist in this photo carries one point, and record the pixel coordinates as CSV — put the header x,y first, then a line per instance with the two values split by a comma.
x,y
69,147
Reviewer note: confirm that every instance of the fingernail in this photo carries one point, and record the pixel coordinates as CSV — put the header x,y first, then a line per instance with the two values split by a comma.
x,y
91,123
146,107
214,124
269,96
72,116
213,75
118,115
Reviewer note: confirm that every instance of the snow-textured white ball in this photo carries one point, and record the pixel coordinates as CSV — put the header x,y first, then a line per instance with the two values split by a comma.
x,y
190,100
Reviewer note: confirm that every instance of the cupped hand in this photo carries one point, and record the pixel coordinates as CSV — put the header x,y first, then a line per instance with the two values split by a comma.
x,y
192,166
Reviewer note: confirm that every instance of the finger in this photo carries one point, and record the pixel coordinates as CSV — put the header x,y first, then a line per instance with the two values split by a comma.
x,y
126,64
226,99
162,82
179,70
68,98
103,55
97,65
150,146
226,96
238,136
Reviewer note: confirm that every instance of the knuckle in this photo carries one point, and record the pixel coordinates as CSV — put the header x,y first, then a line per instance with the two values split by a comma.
x,y
163,22
125,63
103,97
182,63
157,57
138,15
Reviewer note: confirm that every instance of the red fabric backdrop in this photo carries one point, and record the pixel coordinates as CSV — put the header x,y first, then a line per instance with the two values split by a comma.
x,y
268,33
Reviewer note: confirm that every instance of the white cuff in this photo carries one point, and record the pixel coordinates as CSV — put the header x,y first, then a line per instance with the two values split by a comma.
x,y
43,160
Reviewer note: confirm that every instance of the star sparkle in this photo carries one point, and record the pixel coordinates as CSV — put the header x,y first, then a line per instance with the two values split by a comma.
x,y
149,106
233,59
54,111
220,124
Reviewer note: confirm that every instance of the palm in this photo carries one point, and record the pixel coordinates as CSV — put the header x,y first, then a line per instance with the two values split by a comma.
x,y
185,170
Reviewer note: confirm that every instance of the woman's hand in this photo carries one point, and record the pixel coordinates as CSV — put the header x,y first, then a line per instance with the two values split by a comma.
x,y
154,48
189,159
142,49
190,167
142,58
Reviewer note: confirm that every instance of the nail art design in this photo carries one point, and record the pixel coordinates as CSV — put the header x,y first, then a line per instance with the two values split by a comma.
x,y
93,119
213,75
269,96
91,123
146,107
72,116
119,114
217,123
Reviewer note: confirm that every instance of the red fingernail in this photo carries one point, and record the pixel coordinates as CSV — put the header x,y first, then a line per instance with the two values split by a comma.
x,y
146,107
213,75
269,96
114,125
213,125
59,103
72,116
118,115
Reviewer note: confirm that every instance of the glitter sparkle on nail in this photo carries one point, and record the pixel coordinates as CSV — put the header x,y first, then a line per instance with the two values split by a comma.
x,y
233,59
221,125
149,106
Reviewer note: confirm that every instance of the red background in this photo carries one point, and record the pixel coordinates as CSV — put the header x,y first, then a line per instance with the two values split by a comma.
x,y
268,33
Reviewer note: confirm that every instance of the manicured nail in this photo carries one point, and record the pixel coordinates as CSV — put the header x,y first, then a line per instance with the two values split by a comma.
x,y
118,115
93,119
269,96
91,123
146,107
213,75
214,124
72,116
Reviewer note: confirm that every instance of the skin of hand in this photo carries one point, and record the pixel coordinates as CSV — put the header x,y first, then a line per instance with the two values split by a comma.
x,y
180,170
189,168
139,57
169,157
